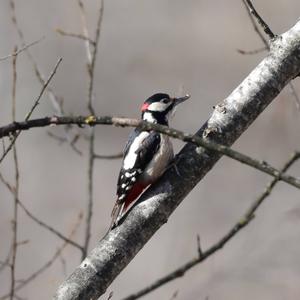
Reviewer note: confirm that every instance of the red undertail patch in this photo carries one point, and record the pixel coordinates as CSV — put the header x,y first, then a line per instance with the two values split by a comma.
x,y
134,193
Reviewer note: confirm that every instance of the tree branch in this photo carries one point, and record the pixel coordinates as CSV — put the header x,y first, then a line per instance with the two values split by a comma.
x,y
91,58
22,283
75,35
228,121
35,104
109,156
174,133
259,19
251,15
17,184
24,48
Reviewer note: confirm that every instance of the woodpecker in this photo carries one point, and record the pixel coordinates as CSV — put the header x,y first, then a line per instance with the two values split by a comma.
x,y
146,154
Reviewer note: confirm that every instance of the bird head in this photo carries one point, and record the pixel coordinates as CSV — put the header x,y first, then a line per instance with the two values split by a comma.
x,y
159,108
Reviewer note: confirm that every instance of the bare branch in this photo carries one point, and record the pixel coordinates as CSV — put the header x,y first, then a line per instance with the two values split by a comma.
x,y
252,52
54,99
90,176
267,47
91,58
174,133
17,52
35,104
49,228
91,138
199,248
243,221
85,30
232,117
75,35
94,58
37,220
49,263
109,156
259,19
16,189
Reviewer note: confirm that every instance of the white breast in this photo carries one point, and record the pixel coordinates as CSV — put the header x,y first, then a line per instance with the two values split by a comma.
x,y
159,162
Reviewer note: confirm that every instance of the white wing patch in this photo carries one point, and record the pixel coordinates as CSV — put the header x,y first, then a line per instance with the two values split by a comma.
x,y
131,156
158,106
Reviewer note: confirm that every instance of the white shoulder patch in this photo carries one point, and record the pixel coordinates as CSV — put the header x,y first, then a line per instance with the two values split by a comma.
x,y
131,156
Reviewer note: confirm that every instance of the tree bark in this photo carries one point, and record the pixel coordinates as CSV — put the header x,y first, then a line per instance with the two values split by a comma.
x,y
230,118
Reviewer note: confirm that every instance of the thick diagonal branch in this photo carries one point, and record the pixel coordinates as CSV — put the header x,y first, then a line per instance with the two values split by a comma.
x,y
228,121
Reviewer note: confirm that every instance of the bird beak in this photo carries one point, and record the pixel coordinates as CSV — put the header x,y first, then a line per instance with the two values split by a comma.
x,y
180,99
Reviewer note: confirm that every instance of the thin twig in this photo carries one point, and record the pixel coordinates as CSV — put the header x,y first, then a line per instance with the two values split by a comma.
x,y
94,58
255,27
91,138
49,228
54,99
91,63
200,252
75,35
89,212
267,47
174,133
85,31
48,264
259,19
109,156
16,189
244,221
6,262
17,52
252,52
35,104
65,139
36,220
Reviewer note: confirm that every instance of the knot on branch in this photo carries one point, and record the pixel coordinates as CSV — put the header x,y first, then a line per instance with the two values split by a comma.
x,y
90,120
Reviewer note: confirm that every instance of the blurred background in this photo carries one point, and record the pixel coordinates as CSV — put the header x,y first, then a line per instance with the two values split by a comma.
x,y
146,47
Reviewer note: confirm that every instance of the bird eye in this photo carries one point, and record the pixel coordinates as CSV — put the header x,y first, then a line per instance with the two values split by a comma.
x,y
166,100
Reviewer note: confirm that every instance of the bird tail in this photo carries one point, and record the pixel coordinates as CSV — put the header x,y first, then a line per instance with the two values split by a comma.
x,y
117,214
121,207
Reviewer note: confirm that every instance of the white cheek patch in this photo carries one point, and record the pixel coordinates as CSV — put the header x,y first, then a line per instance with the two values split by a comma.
x,y
158,106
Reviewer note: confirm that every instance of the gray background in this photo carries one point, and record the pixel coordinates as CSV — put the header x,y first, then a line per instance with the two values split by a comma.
x,y
145,47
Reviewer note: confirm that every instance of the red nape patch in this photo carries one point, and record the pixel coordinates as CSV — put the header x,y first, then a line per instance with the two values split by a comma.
x,y
145,106
134,193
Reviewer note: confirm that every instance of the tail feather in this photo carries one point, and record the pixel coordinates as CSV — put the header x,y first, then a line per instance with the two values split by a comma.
x,y
117,213
121,208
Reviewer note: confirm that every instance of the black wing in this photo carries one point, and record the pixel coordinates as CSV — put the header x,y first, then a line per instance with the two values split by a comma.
x,y
142,157
131,137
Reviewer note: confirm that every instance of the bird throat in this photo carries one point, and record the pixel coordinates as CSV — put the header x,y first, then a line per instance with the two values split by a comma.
x,y
155,117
